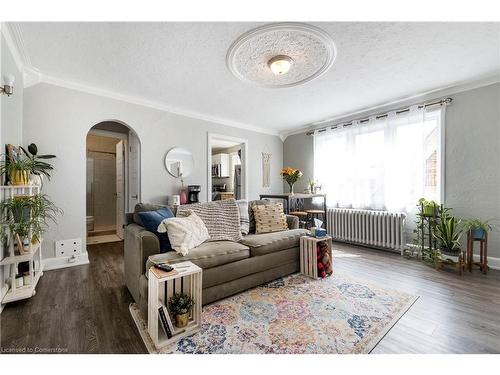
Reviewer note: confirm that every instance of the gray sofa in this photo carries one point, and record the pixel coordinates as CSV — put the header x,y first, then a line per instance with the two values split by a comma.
x,y
228,267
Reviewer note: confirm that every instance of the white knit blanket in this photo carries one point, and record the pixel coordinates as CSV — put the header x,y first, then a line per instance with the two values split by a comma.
x,y
222,218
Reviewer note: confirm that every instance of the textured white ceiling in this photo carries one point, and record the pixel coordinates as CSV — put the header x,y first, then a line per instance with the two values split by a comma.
x,y
182,65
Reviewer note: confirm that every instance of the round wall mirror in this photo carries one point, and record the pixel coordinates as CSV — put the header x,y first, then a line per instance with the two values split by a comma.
x,y
179,162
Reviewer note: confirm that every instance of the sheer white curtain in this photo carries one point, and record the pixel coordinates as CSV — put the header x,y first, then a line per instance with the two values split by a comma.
x,y
381,164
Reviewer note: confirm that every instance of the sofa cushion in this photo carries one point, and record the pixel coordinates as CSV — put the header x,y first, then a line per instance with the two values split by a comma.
x,y
142,207
269,218
265,243
185,233
251,217
244,219
152,219
207,255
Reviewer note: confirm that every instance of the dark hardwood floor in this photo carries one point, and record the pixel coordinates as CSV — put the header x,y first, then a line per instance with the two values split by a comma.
x,y
85,309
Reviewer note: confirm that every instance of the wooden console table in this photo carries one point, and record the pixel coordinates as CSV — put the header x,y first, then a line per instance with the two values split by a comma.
x,y
290,201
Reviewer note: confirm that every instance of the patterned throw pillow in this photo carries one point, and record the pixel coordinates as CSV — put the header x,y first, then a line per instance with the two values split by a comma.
x,y
222,218
269,218
251,218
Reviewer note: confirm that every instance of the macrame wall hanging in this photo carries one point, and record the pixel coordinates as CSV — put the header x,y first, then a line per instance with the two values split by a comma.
x,y
266,169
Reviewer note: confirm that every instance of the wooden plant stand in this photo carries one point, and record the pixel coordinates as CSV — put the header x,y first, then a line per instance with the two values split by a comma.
x,y
308,253
483,252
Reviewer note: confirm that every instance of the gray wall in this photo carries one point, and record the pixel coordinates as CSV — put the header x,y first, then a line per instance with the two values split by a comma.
x,y
472,162
11,113
58,119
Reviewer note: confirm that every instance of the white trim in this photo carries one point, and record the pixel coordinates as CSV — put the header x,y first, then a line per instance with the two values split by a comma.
x,y
433,94
244,163
151,104
64,262
12,45
493,263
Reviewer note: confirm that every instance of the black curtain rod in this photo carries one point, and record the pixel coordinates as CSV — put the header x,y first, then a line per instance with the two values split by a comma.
x,y
379,116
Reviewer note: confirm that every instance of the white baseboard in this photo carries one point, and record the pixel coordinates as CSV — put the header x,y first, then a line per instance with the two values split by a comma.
x,y
493,263
63,262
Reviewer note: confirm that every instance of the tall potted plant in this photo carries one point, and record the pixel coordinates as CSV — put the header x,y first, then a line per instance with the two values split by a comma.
x,y
290,176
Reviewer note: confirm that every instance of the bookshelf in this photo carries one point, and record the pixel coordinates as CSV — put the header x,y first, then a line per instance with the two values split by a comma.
x,y
188,280
32,252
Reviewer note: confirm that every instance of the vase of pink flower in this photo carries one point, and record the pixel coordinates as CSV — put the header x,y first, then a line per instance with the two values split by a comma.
x,y
290,176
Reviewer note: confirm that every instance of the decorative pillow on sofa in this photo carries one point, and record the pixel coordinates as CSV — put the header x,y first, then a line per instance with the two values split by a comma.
x,y
269,218
151,219
251,217
222,218
185,233
244,219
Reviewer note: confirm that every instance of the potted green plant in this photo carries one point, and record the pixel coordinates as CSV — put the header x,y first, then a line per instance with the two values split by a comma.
x,y
428,207
478,227
448,233
180,305
24,213
17,168
39,166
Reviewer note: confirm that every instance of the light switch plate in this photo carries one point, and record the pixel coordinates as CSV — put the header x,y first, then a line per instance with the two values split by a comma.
x,y
67,248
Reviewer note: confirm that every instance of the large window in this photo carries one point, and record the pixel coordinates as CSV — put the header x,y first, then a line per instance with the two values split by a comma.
x,y
381,164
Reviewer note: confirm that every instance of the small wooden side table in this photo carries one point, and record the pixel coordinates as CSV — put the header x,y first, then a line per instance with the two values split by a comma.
x,y
483,252
187,280
309,252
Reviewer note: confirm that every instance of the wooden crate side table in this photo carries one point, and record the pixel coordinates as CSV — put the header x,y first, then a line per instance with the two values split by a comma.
x,y
483,252
188,281
308,254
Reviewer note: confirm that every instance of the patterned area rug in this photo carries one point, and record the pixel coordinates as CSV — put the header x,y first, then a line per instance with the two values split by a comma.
x,y
294,315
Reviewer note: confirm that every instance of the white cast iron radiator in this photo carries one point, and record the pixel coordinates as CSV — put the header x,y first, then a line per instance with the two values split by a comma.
x,y
380,229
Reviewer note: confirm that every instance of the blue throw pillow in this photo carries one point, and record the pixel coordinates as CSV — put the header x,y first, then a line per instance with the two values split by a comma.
x,y
151,220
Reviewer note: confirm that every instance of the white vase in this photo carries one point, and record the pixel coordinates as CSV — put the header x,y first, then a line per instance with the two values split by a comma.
x,y
36,180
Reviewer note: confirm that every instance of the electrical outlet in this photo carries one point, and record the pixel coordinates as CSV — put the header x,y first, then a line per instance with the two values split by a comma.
x,y
67,248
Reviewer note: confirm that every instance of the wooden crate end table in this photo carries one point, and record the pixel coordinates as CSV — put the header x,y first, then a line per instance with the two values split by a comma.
x,y
308,254
188,280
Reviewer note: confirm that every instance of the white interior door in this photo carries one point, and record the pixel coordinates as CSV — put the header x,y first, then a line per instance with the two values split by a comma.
x,y
120,184
134,171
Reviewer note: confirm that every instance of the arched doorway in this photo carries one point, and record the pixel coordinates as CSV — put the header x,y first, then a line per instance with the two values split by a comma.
x,y
113,179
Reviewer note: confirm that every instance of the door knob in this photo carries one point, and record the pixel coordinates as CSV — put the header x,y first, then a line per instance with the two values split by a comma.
x,y
135,196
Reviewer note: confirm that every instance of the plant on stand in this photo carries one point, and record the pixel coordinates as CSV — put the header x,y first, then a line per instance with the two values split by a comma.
x,y
17,168
39,167
180,305
290,176
478,227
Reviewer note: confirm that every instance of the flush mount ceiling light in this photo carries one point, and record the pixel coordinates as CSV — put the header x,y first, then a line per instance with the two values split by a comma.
x,y
281,55
280,64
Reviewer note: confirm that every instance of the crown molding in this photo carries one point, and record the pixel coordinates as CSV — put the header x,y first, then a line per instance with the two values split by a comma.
x,y
12,44
151,104
33,76
455,88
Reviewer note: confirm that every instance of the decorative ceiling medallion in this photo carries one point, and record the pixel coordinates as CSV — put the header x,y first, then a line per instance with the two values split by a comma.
x,y
311,50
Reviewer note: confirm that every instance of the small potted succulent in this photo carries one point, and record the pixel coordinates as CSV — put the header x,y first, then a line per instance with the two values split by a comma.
x,y
180,305
478,227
